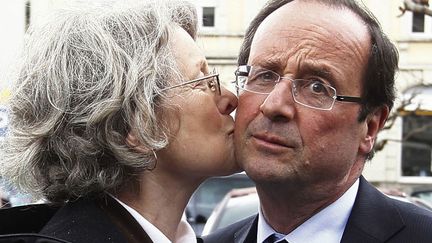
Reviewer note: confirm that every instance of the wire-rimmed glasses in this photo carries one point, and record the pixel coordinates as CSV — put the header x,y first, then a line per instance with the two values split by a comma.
x,y
312,93
212,80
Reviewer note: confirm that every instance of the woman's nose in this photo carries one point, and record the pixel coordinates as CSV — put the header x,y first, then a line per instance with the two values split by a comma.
x,y
227,101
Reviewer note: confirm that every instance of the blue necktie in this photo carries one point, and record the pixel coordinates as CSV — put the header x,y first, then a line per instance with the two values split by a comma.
x,y
273,238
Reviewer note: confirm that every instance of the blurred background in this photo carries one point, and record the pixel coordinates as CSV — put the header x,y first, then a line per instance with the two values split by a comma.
x,y
402,167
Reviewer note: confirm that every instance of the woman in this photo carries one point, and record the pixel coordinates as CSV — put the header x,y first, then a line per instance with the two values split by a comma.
x,y
116,117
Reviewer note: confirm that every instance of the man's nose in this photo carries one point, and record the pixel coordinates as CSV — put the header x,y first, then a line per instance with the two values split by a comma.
x,y
279,104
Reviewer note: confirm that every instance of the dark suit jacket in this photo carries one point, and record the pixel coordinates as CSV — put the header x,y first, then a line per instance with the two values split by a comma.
x,y
374,218
85,220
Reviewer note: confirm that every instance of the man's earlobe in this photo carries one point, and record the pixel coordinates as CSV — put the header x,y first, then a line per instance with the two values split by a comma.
x,y
374,122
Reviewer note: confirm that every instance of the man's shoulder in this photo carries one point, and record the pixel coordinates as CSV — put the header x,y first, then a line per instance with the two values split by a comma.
x,y
229,233
417,222
377,216
413,214
409,212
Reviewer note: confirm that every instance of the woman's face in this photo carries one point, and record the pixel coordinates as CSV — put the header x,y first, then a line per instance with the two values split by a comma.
x,y
201,141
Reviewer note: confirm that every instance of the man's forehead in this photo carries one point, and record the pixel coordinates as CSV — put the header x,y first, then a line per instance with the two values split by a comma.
x,y
298,33
316,13
307,66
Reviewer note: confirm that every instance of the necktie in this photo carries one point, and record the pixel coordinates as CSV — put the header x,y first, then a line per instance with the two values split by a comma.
x,y
273,238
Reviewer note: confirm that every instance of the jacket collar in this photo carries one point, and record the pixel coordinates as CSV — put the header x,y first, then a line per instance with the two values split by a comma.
x,y
247,233
99,219
373,218
124,221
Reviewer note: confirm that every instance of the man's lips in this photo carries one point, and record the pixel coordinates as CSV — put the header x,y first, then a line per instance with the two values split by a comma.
x,y
272,140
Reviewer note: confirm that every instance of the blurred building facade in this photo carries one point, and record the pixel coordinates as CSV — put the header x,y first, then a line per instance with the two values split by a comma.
x,y
405,159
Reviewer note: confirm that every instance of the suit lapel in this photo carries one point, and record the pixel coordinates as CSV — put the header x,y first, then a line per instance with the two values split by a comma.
x,y
124,221
247,233
373,218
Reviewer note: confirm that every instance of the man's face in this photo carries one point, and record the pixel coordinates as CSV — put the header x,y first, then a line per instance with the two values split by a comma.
x,y
278,140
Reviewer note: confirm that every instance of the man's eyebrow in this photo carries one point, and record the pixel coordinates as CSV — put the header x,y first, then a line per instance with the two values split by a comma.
x,y
304,68
271,64
310,68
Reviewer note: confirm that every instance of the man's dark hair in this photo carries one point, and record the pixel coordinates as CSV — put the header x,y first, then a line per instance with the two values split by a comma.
x,y
382,65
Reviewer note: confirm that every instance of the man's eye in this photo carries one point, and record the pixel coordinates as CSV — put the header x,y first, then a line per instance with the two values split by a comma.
x,y
267,76
263,77
316,87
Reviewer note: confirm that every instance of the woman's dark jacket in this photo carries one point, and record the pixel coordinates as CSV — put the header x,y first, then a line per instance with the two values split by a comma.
x,y
83,221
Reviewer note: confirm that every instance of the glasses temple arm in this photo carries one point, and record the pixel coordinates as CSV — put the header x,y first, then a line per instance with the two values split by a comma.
x,y
349,99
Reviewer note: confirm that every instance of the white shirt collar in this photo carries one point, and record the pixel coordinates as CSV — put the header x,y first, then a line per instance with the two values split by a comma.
x,y
184,234
334,217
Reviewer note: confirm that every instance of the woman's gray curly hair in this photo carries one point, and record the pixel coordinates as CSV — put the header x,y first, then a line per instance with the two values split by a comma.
x,y
88,77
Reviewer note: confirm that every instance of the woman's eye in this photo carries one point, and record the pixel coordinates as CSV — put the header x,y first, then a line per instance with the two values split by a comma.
x,y
211,84
199,85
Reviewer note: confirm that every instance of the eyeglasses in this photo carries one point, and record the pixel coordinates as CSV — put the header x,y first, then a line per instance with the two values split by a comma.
x,y
212,80
312,93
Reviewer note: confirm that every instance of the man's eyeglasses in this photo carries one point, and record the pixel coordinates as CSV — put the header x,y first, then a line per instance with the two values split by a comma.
x,y
211,81
312,93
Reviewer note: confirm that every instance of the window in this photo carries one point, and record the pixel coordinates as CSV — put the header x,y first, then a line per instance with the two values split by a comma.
x,y
418,21
416,145
416,155
417,25
208,16
27,14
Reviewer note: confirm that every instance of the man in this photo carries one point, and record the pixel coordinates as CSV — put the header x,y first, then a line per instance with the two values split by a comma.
x,y
316,84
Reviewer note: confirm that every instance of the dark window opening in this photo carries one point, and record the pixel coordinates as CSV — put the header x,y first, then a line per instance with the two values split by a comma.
x,y
416,145
27,14
208,16
418,22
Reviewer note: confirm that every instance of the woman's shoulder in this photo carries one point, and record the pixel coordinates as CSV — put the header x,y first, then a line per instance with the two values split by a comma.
x,y
22,224
29,238
82,220
26,219
96,220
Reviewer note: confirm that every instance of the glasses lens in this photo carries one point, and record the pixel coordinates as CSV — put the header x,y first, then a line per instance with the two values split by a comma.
x,y
310,93
212,84
215,82
313,93
257,80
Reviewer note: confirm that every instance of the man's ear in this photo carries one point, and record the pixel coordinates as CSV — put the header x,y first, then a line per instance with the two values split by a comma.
x,y
135,144
374,123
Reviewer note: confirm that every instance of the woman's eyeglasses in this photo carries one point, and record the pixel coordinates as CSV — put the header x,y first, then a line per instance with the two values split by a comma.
x,y
212,82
